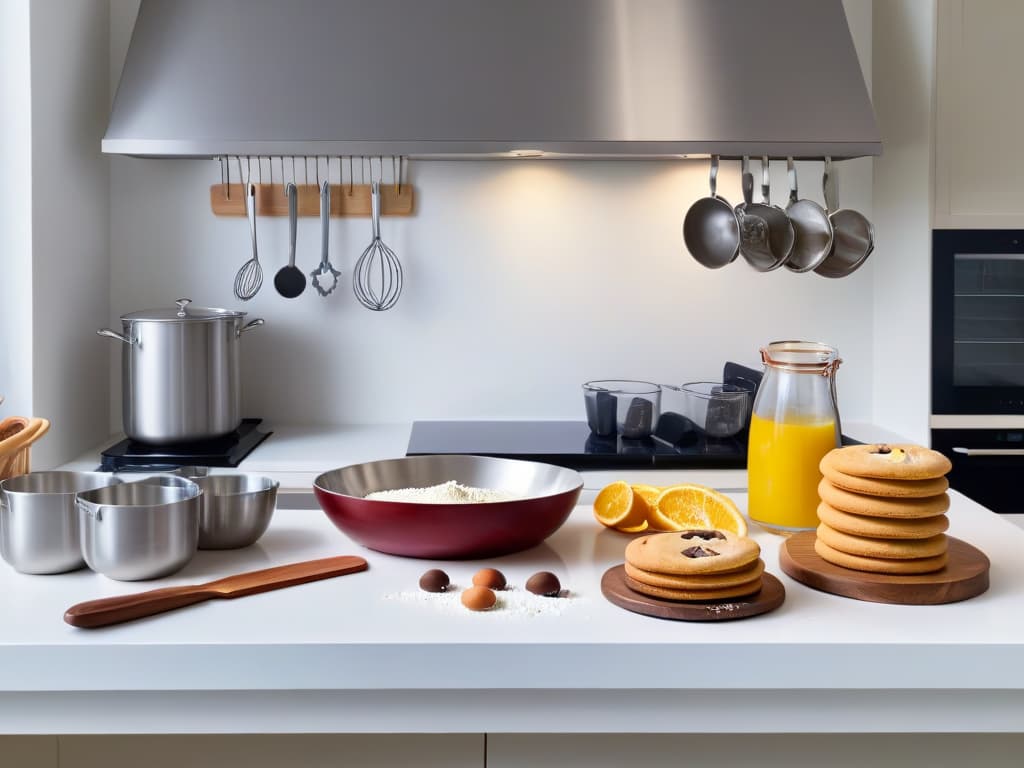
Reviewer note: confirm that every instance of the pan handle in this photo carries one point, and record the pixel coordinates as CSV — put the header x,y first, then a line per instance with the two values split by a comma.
x,y
115,335
250,325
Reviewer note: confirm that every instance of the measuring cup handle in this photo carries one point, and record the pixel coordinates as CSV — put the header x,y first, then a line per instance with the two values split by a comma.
x,y
828,183
791,170
713,176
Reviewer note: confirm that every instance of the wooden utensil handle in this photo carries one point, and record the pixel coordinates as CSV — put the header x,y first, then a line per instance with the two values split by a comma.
x,y
114,610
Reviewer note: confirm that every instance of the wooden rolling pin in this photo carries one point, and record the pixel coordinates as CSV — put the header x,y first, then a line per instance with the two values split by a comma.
x,y
114,610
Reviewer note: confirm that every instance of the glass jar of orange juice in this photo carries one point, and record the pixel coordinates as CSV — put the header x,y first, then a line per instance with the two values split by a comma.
x,y
794,424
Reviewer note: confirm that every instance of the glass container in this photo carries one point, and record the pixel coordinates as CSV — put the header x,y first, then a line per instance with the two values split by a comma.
x,y
794,424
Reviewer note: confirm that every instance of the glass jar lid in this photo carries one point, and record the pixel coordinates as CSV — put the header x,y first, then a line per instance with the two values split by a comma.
x,y
801,356
183,312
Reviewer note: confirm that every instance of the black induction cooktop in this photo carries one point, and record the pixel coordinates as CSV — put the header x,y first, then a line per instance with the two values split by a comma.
x,y
571,444
227,451
677,442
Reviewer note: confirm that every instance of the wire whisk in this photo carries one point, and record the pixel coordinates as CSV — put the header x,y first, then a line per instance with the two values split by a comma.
x,y
377,276
249,279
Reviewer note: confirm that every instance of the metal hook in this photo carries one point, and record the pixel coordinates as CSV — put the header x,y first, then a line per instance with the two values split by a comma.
x,y
351,175
225,184
316,162
305,171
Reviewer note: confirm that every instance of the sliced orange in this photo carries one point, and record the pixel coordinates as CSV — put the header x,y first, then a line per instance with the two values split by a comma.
x,y
633,528
650,494
616,506
679,507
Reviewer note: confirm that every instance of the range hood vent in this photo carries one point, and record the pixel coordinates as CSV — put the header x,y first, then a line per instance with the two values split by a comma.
x,y
494,78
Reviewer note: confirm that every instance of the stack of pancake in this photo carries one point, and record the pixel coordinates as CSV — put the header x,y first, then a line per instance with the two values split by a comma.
x,y
883,509
694,565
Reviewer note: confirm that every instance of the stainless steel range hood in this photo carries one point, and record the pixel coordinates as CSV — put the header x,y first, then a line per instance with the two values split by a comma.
x,y
498,78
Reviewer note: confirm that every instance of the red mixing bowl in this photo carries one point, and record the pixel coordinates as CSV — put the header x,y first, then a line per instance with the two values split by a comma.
x,y
449,531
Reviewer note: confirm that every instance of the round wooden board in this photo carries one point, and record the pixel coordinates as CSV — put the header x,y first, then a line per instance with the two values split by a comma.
x,y
771,596
965,575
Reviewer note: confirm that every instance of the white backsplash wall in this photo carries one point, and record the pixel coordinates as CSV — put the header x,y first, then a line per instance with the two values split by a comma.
x,y
523,280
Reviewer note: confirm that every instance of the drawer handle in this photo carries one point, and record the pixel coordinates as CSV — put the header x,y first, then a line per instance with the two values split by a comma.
x,y
989,451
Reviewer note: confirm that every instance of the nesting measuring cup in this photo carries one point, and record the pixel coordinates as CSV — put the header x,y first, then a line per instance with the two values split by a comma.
x,y
39,527
141,530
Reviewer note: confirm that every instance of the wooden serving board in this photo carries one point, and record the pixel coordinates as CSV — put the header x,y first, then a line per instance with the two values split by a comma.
x,y
771,596
965,575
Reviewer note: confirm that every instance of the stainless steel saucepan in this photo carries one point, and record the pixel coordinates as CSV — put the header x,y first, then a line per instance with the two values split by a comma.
x,y
180,372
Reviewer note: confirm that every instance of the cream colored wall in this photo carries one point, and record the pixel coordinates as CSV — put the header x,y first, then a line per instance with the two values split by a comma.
x,y
903,56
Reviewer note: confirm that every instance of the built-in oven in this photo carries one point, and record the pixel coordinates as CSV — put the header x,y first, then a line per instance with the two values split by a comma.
x,y
978,361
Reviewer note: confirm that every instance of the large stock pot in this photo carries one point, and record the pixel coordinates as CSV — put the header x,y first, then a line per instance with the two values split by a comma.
x,y
180,372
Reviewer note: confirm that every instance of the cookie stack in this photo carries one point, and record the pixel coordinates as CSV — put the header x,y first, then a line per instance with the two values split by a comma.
x,y
883,509
694,565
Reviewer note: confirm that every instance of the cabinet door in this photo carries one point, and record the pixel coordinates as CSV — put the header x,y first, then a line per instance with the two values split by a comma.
x,y
746,750
979,114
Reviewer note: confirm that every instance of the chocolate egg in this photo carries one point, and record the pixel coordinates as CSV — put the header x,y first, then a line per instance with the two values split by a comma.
x,y
491,578
544,583
434,580
479,599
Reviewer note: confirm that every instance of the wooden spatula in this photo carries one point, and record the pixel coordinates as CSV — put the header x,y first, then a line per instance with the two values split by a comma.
x,y
114,610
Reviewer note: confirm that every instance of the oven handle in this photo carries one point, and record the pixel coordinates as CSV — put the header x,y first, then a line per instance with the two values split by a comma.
x,y
989,451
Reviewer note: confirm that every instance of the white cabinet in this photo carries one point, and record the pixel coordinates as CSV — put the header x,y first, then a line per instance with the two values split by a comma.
x,y
979,114
735,750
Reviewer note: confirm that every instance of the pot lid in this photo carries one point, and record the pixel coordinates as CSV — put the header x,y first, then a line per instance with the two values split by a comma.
x,y
183,312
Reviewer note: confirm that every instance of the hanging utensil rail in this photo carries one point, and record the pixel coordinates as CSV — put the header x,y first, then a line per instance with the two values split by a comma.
x,y
349,197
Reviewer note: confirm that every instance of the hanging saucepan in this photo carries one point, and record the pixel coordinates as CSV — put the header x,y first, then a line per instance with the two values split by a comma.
x,y
766,234
754,243
854,238
811,227
180,372
710,229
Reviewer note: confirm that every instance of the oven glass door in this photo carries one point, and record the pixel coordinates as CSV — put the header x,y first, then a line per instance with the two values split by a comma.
x,y
978,321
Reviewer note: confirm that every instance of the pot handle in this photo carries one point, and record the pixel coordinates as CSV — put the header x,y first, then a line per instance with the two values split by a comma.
x,y
115,335
249,326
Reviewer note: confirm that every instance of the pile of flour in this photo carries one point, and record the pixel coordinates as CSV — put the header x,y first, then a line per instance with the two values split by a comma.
x,y
451,492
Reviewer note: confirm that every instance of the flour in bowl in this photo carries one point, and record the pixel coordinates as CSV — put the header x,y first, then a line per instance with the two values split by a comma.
x,y
451,492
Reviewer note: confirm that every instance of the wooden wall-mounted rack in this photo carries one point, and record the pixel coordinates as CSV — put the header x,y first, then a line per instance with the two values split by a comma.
x,y
346,200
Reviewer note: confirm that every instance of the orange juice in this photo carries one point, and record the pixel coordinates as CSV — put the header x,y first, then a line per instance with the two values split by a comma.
x,y
782,471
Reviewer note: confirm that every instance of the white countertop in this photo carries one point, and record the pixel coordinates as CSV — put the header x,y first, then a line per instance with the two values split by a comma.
x,y
352,654
352,635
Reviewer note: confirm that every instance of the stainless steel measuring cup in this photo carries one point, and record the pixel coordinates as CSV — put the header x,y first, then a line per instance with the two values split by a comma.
x,y
812,228
766,233
710,229
854,236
